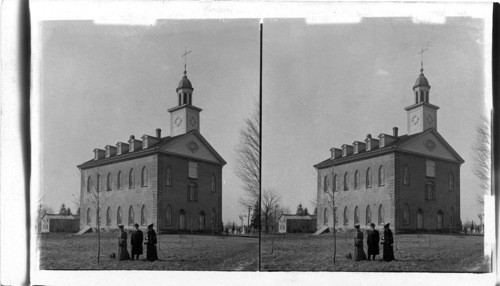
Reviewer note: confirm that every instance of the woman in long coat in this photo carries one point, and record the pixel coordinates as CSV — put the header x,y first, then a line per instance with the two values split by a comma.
x,y
151,253
122,245
359,253
388,240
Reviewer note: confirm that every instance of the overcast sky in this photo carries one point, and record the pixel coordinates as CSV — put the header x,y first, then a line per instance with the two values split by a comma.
x,y
103,83
330,84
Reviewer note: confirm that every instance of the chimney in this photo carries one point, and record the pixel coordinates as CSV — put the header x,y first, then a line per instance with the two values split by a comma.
x,y
158,133
395,132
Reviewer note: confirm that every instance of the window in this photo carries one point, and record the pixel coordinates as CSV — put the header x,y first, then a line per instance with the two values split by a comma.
x,y
335,183
213,185
98,186
168,215
430,168
325,184
192,192
144,177
381,215
406,214
452,216
119,181
119,216
429,191
169,177
89,183
406,175
381,176
346,216
88,216
143,215
451,182
108,216
131,181
368,215
369,178
346,181
131,216
193,170
356,215
108,182
325,216
356,180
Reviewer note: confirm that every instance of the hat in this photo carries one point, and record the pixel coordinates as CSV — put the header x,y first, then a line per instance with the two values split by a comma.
x,y
372,224
387,225
136,225
150,226
120,225
356,225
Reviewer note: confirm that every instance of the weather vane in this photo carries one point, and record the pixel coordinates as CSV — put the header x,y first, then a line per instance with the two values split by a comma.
x,y
422,57
185,56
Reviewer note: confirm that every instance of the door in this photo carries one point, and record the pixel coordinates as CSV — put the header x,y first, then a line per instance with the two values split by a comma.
x,y
420,220
182,221
201,222
440,220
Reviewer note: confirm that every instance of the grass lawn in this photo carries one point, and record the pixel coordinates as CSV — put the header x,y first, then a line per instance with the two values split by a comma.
x,y
413,253
176,252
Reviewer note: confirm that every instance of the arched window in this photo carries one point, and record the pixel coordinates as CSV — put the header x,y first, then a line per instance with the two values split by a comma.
x,y
368,215
368,178
168,215
406,214
88,216
108,182
131,181
381,215
192,192
346,181
143,215
169,177
325,216
98,185
89,183
451,182
119,181
213,185
346,216
335,183
406,175
356,180
381,176
108,216
119,216
325,184
429,191
356,215
144,177
131,215
452,216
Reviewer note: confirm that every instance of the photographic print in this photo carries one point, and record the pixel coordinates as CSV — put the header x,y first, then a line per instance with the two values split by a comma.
x,y
140,137
376,142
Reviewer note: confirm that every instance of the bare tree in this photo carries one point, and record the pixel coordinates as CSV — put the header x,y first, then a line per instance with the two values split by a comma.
x,y
269,204
247,155
481,156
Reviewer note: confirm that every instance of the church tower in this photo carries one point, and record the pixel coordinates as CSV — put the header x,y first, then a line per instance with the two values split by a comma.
x,y
422,115
185,116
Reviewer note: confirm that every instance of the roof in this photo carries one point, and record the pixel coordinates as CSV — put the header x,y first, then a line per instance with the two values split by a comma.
x,y
292,216
58,216
153,149
184,83
386,149
421,80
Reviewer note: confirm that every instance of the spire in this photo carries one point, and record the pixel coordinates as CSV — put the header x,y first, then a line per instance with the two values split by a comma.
x,y
185,61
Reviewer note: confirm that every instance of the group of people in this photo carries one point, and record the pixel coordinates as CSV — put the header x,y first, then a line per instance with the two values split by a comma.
x,y
372,240
136,240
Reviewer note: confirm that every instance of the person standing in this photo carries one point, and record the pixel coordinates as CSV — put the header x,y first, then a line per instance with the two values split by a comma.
x,y
372,241
136,241
388,240
359,253
122,245
151,253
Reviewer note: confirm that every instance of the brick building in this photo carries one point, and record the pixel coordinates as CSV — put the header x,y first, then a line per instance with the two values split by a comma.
x,y
174,182
411,181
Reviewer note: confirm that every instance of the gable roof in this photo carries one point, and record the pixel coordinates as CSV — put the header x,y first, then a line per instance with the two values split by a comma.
x,y
401,141
153,149
58,216
292,216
